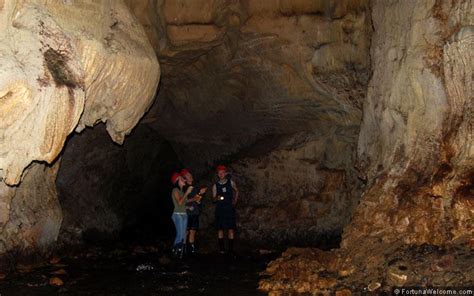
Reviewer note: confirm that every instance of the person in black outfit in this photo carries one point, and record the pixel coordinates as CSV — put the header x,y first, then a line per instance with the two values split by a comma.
x,y
225,194
193,209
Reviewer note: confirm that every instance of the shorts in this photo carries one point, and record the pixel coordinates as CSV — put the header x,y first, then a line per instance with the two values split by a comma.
x,y
193,222
225,222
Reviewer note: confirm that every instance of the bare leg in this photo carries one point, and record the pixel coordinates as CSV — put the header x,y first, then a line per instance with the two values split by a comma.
x,y
231,235
192,236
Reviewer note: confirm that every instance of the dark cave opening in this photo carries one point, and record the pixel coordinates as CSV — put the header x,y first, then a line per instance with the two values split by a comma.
x,y
121,193
112,192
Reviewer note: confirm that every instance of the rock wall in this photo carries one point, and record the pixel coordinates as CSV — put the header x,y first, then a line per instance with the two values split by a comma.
x,y
414,224
60,71
278,81
30,214
416,142
269,71
65,65
305,181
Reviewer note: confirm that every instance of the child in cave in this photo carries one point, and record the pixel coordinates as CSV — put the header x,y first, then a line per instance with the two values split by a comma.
x,y
179,217
193,205
225,194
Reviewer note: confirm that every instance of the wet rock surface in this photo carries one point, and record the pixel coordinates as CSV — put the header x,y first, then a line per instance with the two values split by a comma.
x,y
30,226
414,223
376,270
138,270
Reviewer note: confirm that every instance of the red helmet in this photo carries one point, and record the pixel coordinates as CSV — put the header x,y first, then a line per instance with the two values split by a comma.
x,y
174,177
184,172
221,168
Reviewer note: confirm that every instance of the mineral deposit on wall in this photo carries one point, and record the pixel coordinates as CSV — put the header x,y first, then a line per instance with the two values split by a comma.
x,y
64,65
414,224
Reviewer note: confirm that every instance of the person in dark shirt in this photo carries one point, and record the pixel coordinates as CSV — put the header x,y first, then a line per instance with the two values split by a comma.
x,y
225,194
193,206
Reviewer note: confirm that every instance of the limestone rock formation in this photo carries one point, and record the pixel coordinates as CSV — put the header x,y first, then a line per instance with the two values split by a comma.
x,y
244,78
316,272
348,114
308,185
64,65
416,145
416,152
30,214
304,180
269,74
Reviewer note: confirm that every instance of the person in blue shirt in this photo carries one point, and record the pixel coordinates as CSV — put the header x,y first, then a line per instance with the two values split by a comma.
x,y
226,195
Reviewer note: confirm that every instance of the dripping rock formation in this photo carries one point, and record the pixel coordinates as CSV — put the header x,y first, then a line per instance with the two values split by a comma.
x,y
64,66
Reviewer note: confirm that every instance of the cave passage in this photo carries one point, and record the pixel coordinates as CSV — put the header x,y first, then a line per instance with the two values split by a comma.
x,y
343,126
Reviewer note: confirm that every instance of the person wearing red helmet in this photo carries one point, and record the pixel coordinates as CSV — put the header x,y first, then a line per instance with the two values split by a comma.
x,y
225,194
179,217
193,205
188,177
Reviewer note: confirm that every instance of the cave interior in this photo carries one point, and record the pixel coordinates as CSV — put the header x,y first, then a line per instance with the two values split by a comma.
x,y
346,125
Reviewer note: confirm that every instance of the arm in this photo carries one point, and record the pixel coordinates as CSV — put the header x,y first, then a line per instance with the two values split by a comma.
x,y
188,192
236,193
197,198
179,199
199,195
214,192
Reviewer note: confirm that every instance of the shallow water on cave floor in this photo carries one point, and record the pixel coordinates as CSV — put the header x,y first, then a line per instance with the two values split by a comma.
x,y
113,271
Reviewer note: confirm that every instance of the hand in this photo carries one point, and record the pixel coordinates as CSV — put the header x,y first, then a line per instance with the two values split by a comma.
x,y
188,191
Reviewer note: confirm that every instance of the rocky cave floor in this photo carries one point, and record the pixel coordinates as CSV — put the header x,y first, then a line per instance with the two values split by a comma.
x,y
148,269
120,269
375,269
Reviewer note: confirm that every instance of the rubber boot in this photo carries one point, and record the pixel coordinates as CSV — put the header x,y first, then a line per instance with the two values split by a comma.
x,y
182,251
192,249
231,247
187,250
221,246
